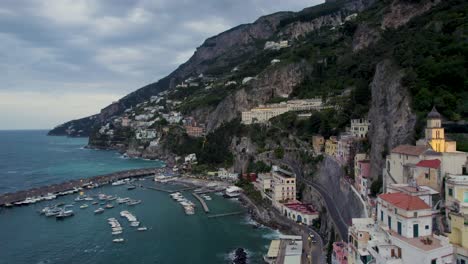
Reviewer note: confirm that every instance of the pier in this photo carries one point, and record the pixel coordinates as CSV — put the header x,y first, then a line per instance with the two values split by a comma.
x,y
203,203
226,214
9,198
169,191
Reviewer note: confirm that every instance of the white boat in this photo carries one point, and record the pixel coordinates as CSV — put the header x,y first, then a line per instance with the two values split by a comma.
x,y
133,202
109,206
134,224
116,233
123,200
99,211
64,214
143,228
119,182
80,198
88,198
118,240
83,206
233,191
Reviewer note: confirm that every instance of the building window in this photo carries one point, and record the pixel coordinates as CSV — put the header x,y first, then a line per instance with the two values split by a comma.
x,y
450,192
381,215
427,227
396,211
426,175
415,214
434,261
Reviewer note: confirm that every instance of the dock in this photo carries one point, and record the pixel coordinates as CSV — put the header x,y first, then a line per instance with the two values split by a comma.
x,y
226,214
203,202
169,191
9,198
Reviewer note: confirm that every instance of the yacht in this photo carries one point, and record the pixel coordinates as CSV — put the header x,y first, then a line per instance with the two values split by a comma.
x,y
109,206
135,224
99,211
116,233
53,212
64,214
83,206
232,192
94,203
131,187
143,228
88,198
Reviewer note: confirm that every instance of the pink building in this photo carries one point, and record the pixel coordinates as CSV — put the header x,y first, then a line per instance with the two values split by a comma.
x,y
363,176
340,253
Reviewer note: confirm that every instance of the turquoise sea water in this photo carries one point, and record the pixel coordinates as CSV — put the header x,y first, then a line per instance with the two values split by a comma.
x,y
29,158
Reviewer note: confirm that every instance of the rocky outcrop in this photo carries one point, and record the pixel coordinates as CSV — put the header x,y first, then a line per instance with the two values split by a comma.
x,y
300,29
402,11
364,36
392,120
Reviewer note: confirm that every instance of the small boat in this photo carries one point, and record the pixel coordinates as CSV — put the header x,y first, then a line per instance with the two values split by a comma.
x,y
123,200
118,240
133,202
143,228
88,199
83,206
99,211
116,233
135,223
94,203
64,214
120,182
131,187
52,212
109,206
111,198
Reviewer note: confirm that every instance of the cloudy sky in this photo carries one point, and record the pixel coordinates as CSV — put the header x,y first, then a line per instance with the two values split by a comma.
x,y
65,59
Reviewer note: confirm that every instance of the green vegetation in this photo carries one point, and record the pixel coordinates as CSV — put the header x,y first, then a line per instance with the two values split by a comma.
x,y
258,167
251,192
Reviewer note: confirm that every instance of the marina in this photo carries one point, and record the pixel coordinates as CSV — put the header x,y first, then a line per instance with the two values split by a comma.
x,y
202,202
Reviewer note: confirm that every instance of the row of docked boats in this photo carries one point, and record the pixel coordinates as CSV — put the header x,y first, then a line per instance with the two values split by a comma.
x,y
189,206
117,229
46,197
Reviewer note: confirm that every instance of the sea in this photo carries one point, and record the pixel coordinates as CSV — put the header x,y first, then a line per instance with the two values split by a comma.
x,y
31,159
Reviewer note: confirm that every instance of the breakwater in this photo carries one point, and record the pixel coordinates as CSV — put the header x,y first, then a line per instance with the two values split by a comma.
x,y
10,198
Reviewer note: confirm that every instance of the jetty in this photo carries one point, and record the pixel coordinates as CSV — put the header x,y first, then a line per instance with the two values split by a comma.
x,y
203,203
170,191
10,198
226,214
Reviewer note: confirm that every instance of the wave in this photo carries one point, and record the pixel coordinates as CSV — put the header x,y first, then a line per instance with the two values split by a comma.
x,y
274,234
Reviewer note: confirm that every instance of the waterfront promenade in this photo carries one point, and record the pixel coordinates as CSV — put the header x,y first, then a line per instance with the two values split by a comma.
x,y
9,198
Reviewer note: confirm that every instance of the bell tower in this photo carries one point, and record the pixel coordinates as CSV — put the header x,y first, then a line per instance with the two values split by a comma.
x,y
435,135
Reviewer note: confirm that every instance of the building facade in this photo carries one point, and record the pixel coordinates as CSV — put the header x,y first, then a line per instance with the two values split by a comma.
x,y
360,127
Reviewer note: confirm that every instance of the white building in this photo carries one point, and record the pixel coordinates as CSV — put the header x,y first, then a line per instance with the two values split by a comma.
x,y
191,158
283,185
226,175
360,127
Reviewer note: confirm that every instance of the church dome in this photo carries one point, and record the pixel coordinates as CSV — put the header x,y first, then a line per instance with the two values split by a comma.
x,y
434,114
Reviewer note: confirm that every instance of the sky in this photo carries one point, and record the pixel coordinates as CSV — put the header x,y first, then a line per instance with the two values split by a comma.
x,y
66,59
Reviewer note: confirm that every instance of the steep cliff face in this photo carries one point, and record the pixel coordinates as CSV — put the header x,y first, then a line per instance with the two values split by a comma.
x,y
402,11
392,120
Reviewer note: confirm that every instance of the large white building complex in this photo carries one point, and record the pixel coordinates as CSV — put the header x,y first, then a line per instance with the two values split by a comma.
x,y
263,113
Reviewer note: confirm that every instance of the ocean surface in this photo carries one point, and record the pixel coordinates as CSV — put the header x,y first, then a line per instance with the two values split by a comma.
x,y
30,158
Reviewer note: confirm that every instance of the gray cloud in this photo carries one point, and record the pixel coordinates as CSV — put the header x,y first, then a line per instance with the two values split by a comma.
x,y
110,46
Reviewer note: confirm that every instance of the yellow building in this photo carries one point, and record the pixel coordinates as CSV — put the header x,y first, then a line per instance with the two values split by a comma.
x,y
435,133
283,185
459,236
331,146
317,143
456,193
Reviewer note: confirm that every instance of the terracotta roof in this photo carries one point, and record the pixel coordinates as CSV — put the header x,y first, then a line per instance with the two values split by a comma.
x,y
409,150
434,164
405,201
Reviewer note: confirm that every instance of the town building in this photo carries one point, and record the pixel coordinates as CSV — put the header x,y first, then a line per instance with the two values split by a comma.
x,y
331,146
318,142
427,173
283,185
191,158
126,121
299,212
286,249
263,183
358,157
195,131
144,134
263,113
459,236
363,178
359,234
340,253
456,194
435,133
360,127
345,149
226,175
